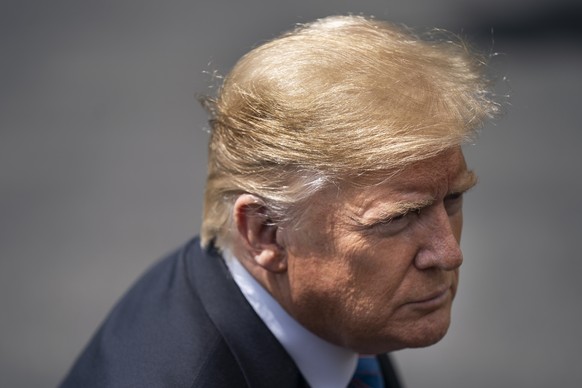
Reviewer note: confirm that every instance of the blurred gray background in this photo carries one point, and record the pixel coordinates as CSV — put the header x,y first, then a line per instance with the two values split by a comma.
x,y
102,164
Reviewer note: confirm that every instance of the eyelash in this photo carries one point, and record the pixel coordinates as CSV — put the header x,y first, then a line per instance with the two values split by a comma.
x,y
453,202
451,199
401,216
398,217
454,196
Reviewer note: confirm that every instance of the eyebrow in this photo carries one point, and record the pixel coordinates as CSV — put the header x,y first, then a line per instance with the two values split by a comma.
x,y
386,214
461,185
403,207
465,182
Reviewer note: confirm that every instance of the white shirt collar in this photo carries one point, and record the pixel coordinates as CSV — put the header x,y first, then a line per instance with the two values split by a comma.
x,y
324,365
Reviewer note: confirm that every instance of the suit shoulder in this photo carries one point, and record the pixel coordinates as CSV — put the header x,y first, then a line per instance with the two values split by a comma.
x,y
159,334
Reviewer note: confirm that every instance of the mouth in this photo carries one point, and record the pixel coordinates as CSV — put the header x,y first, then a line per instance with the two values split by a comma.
x,y
434,299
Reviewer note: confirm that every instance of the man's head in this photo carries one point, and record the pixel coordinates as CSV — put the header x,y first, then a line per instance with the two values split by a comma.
x,y
335,175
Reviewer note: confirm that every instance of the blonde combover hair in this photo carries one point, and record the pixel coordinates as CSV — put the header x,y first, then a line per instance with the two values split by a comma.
x,y
334,101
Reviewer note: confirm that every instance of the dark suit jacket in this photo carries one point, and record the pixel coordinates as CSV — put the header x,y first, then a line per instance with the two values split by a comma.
x,y
185,323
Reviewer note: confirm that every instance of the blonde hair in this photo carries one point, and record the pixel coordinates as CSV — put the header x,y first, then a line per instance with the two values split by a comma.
x,y
340,98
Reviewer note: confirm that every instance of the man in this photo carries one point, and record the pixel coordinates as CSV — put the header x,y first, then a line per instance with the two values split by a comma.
x,y
332,222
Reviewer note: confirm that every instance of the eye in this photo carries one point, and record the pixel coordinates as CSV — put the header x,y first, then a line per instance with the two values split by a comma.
x,y
454,203
401,216
395,218
395,223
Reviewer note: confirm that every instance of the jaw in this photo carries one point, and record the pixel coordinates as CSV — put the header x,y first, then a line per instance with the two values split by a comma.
x,y
404,329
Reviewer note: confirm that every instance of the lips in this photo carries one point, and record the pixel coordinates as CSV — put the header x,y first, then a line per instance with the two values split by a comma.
x,y
436,297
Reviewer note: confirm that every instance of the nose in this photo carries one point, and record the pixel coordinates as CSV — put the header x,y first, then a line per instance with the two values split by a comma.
x,y
440,238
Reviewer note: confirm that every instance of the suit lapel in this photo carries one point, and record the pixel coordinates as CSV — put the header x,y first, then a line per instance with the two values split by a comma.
x,y
262,359
389,372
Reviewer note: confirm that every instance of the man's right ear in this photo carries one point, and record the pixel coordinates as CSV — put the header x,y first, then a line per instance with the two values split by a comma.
x,y
258,233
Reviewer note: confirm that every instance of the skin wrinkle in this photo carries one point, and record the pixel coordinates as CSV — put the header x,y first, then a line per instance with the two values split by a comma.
x,y
364,290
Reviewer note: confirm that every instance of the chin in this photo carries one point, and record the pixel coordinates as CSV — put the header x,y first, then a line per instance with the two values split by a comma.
x,y
416,334
410,337
427,338
427,332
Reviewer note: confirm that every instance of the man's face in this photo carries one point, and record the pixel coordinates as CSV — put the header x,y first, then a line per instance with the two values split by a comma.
x,y
375,269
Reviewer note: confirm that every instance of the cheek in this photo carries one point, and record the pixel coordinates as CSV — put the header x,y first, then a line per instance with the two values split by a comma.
x,y
380,268
355,289
318,288
378,282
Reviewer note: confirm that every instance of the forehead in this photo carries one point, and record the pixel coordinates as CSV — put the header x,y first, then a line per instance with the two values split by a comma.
x,y
439,175
445,169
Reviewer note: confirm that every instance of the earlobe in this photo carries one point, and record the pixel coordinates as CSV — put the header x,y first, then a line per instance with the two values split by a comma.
x,y
272,260
258,233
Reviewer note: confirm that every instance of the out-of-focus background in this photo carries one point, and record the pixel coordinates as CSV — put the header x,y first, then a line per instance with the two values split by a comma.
x,y
102,167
